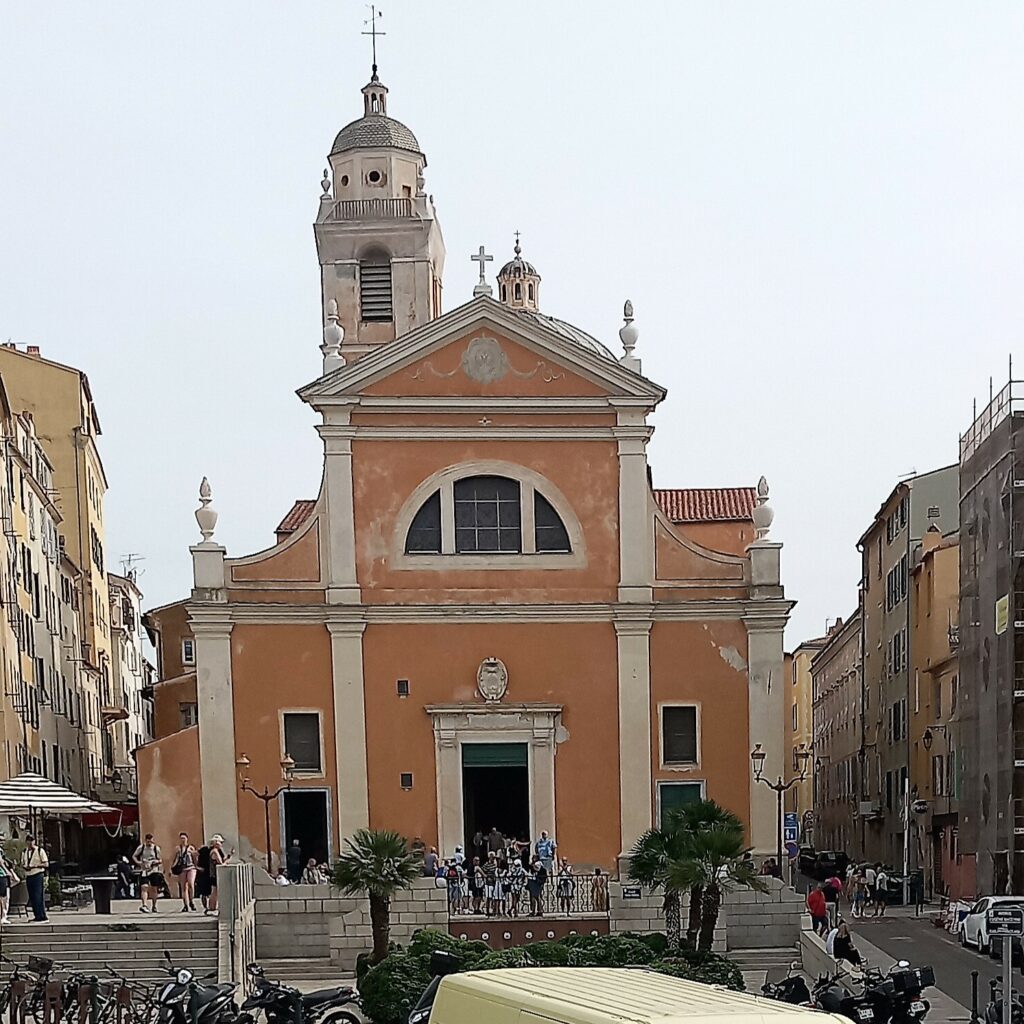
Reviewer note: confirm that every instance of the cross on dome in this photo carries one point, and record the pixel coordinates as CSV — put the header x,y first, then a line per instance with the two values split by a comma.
x,y
482,257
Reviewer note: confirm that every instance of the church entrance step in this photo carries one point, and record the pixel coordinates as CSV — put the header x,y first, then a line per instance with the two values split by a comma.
x,y
505,932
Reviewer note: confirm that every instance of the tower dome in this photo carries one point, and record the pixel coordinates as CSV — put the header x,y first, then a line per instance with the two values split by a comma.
x,y
375,130
519,282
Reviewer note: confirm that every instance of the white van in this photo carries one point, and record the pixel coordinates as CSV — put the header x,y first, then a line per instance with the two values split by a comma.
x,y
598,995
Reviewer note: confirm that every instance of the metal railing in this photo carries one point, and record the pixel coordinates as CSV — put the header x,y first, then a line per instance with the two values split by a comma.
x,y
371,209
1004,404
572,896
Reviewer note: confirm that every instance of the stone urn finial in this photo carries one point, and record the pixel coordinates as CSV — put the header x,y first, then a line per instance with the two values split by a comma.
x,y
763,513
206,514
334,334
326,185
629,332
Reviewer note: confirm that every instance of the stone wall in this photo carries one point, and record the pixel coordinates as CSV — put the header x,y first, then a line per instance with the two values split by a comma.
x,y
748,919
755,920
313,921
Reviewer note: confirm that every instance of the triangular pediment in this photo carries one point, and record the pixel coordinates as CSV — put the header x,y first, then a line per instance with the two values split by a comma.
x,y
484,348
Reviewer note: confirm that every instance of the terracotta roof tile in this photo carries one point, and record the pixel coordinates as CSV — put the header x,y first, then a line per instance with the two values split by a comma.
x,y
706,504
297,515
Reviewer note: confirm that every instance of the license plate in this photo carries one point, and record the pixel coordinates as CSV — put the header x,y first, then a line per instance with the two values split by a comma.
x,y
917,1006
865,1014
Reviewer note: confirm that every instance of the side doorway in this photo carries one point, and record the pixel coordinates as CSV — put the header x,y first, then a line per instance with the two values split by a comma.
x,y
307,818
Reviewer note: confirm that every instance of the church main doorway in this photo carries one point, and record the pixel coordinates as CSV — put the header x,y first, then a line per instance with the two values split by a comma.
x,y
495,790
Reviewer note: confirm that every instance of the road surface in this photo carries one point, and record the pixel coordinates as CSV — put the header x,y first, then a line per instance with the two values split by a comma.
x,y
916,939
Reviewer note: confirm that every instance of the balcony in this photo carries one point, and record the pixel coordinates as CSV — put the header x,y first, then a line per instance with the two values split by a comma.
x,y
371,209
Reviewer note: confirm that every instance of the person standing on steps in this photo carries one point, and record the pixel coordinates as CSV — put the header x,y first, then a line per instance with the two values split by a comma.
x,y
8,880
294,862
147,858
36,863
217,857
184,867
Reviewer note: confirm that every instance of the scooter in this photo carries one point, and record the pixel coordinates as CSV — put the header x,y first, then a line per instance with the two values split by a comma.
x,y
185,1000
441,965
994,1010
281,1004
787,988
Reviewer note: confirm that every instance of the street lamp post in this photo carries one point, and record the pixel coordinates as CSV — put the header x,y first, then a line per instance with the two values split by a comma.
x,y
268,797
757,759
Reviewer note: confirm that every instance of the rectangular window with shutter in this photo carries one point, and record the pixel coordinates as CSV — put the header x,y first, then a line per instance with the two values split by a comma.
x,y
679,735
302,739
375,302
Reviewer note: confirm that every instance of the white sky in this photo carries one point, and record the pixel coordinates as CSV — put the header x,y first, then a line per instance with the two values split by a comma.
x,y
814,206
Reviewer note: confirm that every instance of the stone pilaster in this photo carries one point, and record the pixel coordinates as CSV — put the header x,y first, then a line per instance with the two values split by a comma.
x,y
350,726
214,696
635,777
342,584
636,519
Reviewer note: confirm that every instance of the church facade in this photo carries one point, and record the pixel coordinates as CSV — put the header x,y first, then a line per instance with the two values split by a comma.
x,y
487,616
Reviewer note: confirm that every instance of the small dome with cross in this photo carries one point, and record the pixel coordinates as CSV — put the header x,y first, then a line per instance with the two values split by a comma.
x,y
519,282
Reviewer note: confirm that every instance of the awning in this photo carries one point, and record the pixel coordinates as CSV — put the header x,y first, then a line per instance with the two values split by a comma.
x,y
121,814
28,793
494,755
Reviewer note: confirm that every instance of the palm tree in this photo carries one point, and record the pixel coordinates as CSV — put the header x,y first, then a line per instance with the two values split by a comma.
x,y
379,863
658,849
714,861
650,862
699,815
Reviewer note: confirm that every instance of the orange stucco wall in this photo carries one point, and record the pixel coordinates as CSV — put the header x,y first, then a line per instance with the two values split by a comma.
x,y
278,668
171,801
168,697
694,663
440,374
386,472
573,664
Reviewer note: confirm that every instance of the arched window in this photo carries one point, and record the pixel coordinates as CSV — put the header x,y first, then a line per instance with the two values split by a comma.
x,y
487,515
424,535
504,294
529,291
549,530
375,302
519,290
483,515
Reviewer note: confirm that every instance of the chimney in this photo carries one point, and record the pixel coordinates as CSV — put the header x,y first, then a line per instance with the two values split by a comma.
x,y
32,350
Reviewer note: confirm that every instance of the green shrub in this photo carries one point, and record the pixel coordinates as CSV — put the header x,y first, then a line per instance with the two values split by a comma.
x,y
391,989
549,954
362,966
517,956
709,968
657,941
429,940
618,951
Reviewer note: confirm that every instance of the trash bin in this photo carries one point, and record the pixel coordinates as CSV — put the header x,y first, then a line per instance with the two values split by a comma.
x,y
102,892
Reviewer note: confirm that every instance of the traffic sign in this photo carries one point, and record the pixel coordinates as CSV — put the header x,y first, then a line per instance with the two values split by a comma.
x,y
792,851
1006,921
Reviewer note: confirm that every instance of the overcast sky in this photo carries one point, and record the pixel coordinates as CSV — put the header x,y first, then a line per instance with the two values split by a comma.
x,y
815,207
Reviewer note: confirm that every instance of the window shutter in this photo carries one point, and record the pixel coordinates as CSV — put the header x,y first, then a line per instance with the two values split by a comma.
x,y
375,300
302,740
679,735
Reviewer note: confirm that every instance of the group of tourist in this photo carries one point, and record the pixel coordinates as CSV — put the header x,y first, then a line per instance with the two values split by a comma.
x,y
194,870
504,876
31,870
866,887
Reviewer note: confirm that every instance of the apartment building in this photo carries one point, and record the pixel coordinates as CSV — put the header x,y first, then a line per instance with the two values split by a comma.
x,y
888,548
799,799
991,635
837,735
935,715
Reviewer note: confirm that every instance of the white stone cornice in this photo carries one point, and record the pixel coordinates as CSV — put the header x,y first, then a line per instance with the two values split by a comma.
x,y
346,628
554,404
478,433
756,615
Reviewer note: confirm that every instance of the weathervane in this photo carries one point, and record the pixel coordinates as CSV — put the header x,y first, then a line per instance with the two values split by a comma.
x,y
373,33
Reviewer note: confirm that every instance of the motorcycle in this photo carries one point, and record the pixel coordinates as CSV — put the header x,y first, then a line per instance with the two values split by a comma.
x,y
907,984
281,1004
787,988
893,998
185,1000
994,1010
833,995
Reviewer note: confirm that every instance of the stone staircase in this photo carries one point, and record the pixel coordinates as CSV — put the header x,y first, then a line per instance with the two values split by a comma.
x,y
132,946
749,960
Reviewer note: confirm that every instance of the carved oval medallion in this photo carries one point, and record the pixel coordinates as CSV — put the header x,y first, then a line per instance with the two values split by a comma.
x,y
492,680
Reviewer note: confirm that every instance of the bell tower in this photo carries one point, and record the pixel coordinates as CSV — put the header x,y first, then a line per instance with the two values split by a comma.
x,y
377,234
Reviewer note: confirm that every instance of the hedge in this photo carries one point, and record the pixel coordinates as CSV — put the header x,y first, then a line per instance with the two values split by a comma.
x,y
391,989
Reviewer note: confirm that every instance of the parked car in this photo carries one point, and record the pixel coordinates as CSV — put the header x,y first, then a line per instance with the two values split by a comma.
x,y
974,926
805,860
828,863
